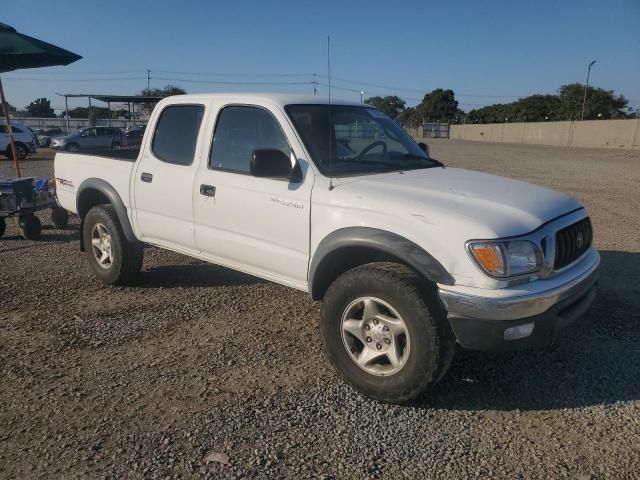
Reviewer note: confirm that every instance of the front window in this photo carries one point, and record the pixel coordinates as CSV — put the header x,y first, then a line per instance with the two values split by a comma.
x,y
363,140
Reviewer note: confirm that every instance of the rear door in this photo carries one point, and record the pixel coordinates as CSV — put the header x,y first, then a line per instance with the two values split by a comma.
x,y
259,225
164,176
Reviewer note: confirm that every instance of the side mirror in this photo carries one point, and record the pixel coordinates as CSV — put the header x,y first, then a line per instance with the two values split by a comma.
x,y
272,163
424,147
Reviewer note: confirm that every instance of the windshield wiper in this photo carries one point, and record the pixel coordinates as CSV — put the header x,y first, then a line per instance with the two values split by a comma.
x,y
420,157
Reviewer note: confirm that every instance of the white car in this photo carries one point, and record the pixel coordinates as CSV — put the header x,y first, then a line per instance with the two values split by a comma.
x,y
25,140
409,257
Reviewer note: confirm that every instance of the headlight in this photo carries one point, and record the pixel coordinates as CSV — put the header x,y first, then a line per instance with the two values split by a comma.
x,y
509,258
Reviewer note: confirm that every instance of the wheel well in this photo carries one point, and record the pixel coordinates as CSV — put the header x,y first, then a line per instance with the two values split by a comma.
x,y
343,259
88,199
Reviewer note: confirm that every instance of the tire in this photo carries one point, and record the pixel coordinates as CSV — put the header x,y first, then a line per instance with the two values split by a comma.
x,y
72,147
21,150
59,218
30,227
3,226
123,261
115,146
428,340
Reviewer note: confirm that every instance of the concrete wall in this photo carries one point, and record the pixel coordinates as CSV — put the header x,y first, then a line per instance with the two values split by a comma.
x,y
591,133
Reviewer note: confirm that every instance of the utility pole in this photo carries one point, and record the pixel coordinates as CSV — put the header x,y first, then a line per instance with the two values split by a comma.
x,y
148,79
314,83
584,99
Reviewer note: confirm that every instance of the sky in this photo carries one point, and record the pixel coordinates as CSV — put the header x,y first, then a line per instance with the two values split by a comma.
x,y
486,51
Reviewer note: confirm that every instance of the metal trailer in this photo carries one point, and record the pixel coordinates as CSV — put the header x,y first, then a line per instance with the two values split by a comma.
x,y
21,198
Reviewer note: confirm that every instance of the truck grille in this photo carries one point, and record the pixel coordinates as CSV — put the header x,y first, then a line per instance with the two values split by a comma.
x,y
572,242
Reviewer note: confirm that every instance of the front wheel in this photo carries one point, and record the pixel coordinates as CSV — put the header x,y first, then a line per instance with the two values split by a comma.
x,y
385,332
113,259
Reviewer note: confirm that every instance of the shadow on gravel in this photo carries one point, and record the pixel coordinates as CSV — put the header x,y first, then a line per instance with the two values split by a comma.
x,y
194,276
594,362
46,239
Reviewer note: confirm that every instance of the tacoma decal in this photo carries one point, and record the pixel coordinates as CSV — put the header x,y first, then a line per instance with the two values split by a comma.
x,y
287,203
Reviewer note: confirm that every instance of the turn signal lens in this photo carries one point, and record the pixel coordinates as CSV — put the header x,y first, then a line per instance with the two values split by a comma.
x,y
490,257
507,258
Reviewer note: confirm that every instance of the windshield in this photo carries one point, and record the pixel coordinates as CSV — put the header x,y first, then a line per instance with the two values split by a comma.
x,y
363,140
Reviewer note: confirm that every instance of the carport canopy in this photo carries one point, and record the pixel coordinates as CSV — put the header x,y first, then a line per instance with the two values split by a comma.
x,y
130,99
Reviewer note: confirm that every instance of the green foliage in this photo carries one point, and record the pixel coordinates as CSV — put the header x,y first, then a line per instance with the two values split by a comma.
x,y
41,107
438,106
391,105
167,91
566,105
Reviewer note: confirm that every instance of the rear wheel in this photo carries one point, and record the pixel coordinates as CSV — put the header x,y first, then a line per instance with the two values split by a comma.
x,y
385,332
30,227
21,151
113,259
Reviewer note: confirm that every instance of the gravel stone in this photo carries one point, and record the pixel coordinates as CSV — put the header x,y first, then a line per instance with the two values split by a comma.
x,y
148,381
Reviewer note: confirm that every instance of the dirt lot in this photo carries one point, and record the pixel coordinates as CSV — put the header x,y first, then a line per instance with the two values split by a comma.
x,y
147,382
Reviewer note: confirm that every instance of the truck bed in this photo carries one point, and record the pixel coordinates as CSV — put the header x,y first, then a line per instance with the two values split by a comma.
x,y
114,167
126,154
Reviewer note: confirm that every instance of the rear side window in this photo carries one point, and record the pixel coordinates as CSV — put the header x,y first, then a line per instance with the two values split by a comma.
x,y
4,129
239,131
176,134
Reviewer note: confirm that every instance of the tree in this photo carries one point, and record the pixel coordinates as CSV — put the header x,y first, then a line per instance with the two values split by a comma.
x,y
41,107
391,105
167,91
598,102
438,106
566,105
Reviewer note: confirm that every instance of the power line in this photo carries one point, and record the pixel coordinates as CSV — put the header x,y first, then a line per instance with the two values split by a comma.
x,y
226,74
74,79
229,82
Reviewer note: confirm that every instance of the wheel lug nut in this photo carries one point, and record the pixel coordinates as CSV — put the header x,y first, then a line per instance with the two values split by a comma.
x,y
387,341
367,326
378,346
375,321
368,339
385,329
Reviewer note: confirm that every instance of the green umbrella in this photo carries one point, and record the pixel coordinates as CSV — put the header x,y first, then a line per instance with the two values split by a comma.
x,y
18,51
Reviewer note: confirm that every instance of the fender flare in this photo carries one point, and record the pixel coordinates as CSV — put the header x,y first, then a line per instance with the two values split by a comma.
x,y
382,241
111,194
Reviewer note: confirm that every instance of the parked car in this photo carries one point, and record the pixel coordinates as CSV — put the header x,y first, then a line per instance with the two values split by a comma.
x,y
134,136
409,257
45,135
91,138
25,140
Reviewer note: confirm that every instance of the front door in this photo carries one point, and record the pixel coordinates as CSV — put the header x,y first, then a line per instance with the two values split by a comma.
x,y
163,181
259,225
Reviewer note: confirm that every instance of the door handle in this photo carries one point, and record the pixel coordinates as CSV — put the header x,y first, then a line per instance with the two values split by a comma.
x,y
208,190
146,177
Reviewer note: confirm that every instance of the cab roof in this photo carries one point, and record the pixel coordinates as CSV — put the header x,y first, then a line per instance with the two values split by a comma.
x,y
280,99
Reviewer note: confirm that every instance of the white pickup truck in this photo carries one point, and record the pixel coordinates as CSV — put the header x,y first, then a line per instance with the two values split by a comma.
x,y
409,257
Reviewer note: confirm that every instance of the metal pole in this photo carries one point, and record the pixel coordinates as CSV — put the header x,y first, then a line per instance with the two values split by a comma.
x,y
361,94
66,113
89,123
109,108
12,140
148,79
584,99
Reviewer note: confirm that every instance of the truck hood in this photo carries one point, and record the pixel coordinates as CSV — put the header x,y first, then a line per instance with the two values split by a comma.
x,y
496,206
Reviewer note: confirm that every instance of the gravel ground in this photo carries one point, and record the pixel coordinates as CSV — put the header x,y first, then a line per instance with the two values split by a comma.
x,y
202,372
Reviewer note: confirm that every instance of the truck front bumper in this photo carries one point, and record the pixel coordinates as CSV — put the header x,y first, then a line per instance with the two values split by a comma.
x,y
522,317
